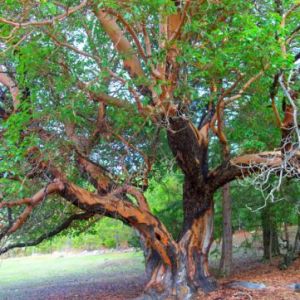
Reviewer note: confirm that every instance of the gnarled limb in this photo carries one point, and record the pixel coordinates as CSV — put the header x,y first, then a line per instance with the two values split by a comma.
x,y
97,175
109,204
154,232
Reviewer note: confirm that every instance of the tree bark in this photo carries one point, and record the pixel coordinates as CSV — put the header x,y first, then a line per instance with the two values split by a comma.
x,y
191,274
176,269
226,257
190,271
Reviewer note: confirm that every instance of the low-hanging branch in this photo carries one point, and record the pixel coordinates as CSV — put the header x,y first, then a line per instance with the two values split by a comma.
x,y
30,203
58,229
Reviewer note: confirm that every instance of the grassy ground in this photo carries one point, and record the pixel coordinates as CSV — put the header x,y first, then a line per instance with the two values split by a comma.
x,y
39,276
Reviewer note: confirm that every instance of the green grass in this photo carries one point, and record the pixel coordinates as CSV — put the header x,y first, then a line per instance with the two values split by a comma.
x,y
47,269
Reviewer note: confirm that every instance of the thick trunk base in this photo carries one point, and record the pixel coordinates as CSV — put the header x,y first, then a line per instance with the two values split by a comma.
x,y
188,275
165,284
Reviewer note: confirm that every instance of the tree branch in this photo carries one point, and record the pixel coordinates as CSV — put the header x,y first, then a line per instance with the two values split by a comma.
x,y
67,223
97,175
69,11
175,34
30,203
245,87
7,81
131,62
248,164
130,30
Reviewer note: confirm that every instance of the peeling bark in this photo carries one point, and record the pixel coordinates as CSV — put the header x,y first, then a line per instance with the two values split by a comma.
x,y
131,62
191,274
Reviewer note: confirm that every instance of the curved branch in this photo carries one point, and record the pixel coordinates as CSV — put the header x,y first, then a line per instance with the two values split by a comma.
x,y
97,175
109,205
30,203
55,231
7,81
293,35
140,198
288,13
147,224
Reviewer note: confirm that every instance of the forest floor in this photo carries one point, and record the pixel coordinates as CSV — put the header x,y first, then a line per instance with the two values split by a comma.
x,y
120,275
278,282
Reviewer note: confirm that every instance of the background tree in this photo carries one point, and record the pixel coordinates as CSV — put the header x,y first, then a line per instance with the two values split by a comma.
x,y
94,88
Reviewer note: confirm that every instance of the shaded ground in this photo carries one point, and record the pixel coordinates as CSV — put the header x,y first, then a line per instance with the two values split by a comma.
x,y
115,276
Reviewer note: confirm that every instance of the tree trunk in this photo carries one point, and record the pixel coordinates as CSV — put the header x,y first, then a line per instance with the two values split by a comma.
x,y
177,269
226,258
297,239
189,273
270,233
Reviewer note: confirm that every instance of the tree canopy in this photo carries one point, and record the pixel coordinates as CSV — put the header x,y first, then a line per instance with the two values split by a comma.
x,y
99,96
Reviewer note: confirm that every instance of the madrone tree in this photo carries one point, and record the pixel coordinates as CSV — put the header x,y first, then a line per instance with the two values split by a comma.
x,y
93,91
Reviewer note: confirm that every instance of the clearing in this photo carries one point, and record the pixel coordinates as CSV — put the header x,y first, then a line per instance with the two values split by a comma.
x,y
105,276
120,275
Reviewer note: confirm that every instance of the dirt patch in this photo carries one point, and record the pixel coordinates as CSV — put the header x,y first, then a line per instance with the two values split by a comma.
x,y
93,289
127,288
